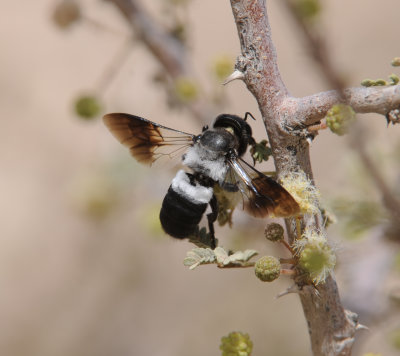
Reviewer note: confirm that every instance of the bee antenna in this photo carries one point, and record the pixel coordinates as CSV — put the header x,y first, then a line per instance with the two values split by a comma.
x,y
248,114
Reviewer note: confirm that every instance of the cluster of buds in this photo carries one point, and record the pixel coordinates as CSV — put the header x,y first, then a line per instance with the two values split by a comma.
x,y
393,80
339,118
303,191
236,344
312,256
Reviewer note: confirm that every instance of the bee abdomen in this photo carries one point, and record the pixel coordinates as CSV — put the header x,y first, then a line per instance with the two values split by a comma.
x,y
184,206
179,216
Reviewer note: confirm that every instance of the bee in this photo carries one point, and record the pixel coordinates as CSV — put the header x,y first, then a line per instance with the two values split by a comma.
x,y
213,157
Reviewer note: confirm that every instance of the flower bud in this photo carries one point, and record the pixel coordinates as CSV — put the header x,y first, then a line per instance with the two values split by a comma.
x,y
316,257
393,79
274,232
339,118
396,62
303,191
268,268
236,344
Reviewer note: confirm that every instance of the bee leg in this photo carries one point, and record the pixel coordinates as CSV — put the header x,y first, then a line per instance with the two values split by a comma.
x,y
212,217
229,187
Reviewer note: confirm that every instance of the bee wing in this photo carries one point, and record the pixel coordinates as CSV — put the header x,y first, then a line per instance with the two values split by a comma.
x,y
146,140
264,196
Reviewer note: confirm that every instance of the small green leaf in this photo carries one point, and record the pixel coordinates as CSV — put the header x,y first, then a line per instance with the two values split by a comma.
x,y
199,256
260,151
220,256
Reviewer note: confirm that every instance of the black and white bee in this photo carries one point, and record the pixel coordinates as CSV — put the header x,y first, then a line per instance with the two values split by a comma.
x,y
213,157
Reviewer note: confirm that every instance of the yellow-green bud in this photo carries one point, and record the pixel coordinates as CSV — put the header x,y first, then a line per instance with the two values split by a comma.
x,y
394,79
381,82
87,107
274,232
339,118
268,268
236,344
186,89
395,338
179,31
307,9
396,62
66,13
367,83
223,66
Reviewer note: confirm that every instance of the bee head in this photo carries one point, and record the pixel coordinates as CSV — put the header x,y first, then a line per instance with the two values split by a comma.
x,y
237,127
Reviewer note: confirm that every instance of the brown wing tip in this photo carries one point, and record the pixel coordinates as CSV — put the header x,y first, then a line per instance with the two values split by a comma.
x,y
287,209
259,206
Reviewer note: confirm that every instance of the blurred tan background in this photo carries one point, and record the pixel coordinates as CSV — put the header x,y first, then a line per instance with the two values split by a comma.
x,y
84,267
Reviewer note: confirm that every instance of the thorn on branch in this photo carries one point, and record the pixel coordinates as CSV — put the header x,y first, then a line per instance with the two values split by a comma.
x,y
292,289
317,127
362,327
393,116
237,74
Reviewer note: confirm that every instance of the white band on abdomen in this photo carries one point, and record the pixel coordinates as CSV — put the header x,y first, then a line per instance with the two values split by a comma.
x,y
195,193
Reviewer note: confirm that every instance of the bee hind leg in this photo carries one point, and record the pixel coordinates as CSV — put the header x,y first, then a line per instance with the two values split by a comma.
x,y
212,217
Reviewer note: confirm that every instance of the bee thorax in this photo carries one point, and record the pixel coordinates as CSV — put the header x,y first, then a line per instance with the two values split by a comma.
x,y
201,161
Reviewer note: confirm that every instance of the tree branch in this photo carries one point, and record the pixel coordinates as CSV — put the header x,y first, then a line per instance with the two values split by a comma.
x,y
313,108
310,109
258,53
166,49
330,327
